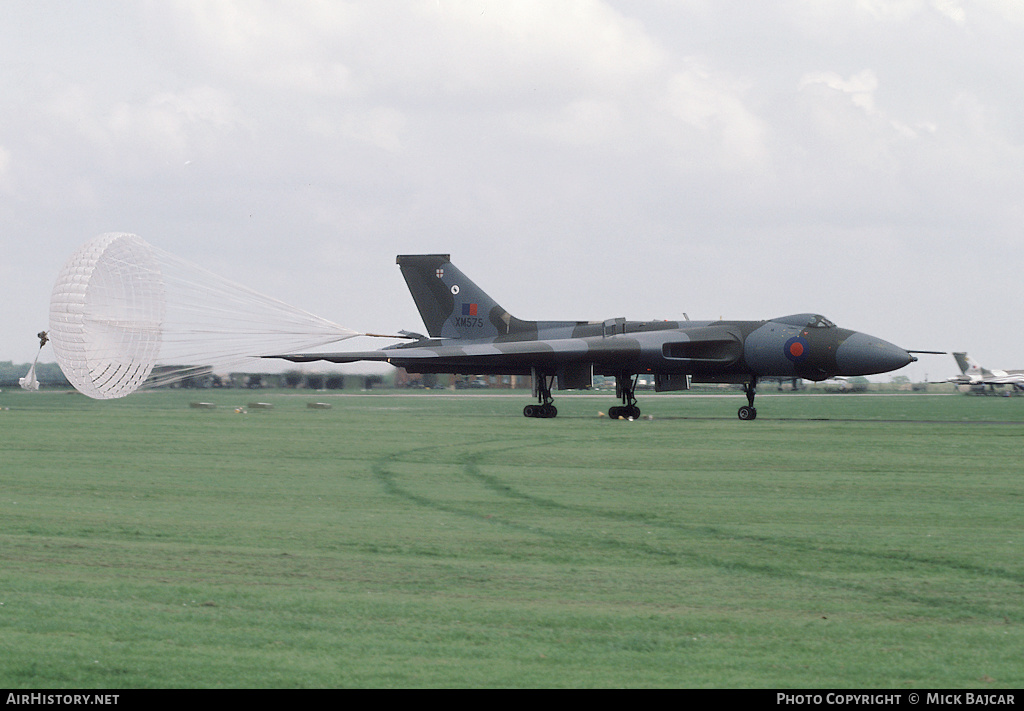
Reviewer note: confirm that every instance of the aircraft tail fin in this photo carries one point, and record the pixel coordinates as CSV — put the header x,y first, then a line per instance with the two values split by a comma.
x,y
451,305
968,366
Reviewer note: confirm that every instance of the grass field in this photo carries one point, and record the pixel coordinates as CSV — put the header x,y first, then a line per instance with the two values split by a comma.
x,y
422,540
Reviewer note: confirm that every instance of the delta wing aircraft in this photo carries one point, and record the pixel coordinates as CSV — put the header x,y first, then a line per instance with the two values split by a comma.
x,y
974,374
469,333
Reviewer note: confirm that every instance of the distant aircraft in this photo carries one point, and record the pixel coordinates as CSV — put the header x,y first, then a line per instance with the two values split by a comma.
x,y
794,383
974,375
836,385
469,333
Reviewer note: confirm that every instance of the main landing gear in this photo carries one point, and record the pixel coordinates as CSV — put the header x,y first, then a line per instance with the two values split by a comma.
x,y
625,389
747,412
545,403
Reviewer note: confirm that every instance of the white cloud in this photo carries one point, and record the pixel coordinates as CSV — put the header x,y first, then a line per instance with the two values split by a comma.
x,y
381,127
428,48
581,123
137,136
951,9
1009,10
713,104
890,10
860,87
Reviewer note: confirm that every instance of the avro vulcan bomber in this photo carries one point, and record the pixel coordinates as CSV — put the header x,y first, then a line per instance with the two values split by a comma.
x,y
470,334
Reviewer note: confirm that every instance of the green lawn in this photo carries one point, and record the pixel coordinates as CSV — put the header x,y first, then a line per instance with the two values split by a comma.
x,y
424,540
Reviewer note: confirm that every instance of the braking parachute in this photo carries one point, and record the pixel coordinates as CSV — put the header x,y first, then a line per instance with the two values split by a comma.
x,y
120,307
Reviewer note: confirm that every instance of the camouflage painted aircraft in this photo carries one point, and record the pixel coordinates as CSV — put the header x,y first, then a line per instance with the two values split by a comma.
x,y
470,334
976,376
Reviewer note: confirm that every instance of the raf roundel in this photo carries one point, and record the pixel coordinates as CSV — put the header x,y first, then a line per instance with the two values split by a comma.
x,y
796,349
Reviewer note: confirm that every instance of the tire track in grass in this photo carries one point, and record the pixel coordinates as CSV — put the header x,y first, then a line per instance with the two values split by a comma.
x,y
383,472
389,480
472,470
897,560
469,467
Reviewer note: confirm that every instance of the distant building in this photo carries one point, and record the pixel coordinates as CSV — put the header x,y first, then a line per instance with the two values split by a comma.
x,y
405,379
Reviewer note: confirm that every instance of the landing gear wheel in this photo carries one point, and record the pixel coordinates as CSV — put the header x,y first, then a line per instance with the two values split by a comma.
x,y
747,412
545,411
625,412
625,389
542,390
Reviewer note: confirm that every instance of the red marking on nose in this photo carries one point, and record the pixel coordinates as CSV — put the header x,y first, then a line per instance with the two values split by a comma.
x,y
796,349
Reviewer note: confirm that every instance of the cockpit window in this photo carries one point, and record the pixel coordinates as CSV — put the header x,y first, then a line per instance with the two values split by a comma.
x,y
806,321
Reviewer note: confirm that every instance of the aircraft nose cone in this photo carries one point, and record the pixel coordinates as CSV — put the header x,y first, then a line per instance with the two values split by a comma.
x,y
861,354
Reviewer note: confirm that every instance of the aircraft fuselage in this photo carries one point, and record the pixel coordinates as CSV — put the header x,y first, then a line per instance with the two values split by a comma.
x,y
708,351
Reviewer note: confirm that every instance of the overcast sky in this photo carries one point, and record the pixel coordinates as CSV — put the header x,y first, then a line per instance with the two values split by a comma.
x,y
578,159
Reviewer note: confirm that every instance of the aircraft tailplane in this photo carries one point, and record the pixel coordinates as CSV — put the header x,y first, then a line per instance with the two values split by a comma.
x,y
451,305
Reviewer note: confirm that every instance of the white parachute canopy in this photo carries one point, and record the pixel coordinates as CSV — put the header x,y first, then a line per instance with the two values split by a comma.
x,y
120,307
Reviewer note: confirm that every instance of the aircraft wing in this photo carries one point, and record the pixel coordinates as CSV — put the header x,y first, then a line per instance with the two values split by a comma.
x,y
513,358
351,357
715,348
961,380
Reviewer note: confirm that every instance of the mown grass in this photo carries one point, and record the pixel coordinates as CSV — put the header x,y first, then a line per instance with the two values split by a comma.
x,y
449,541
